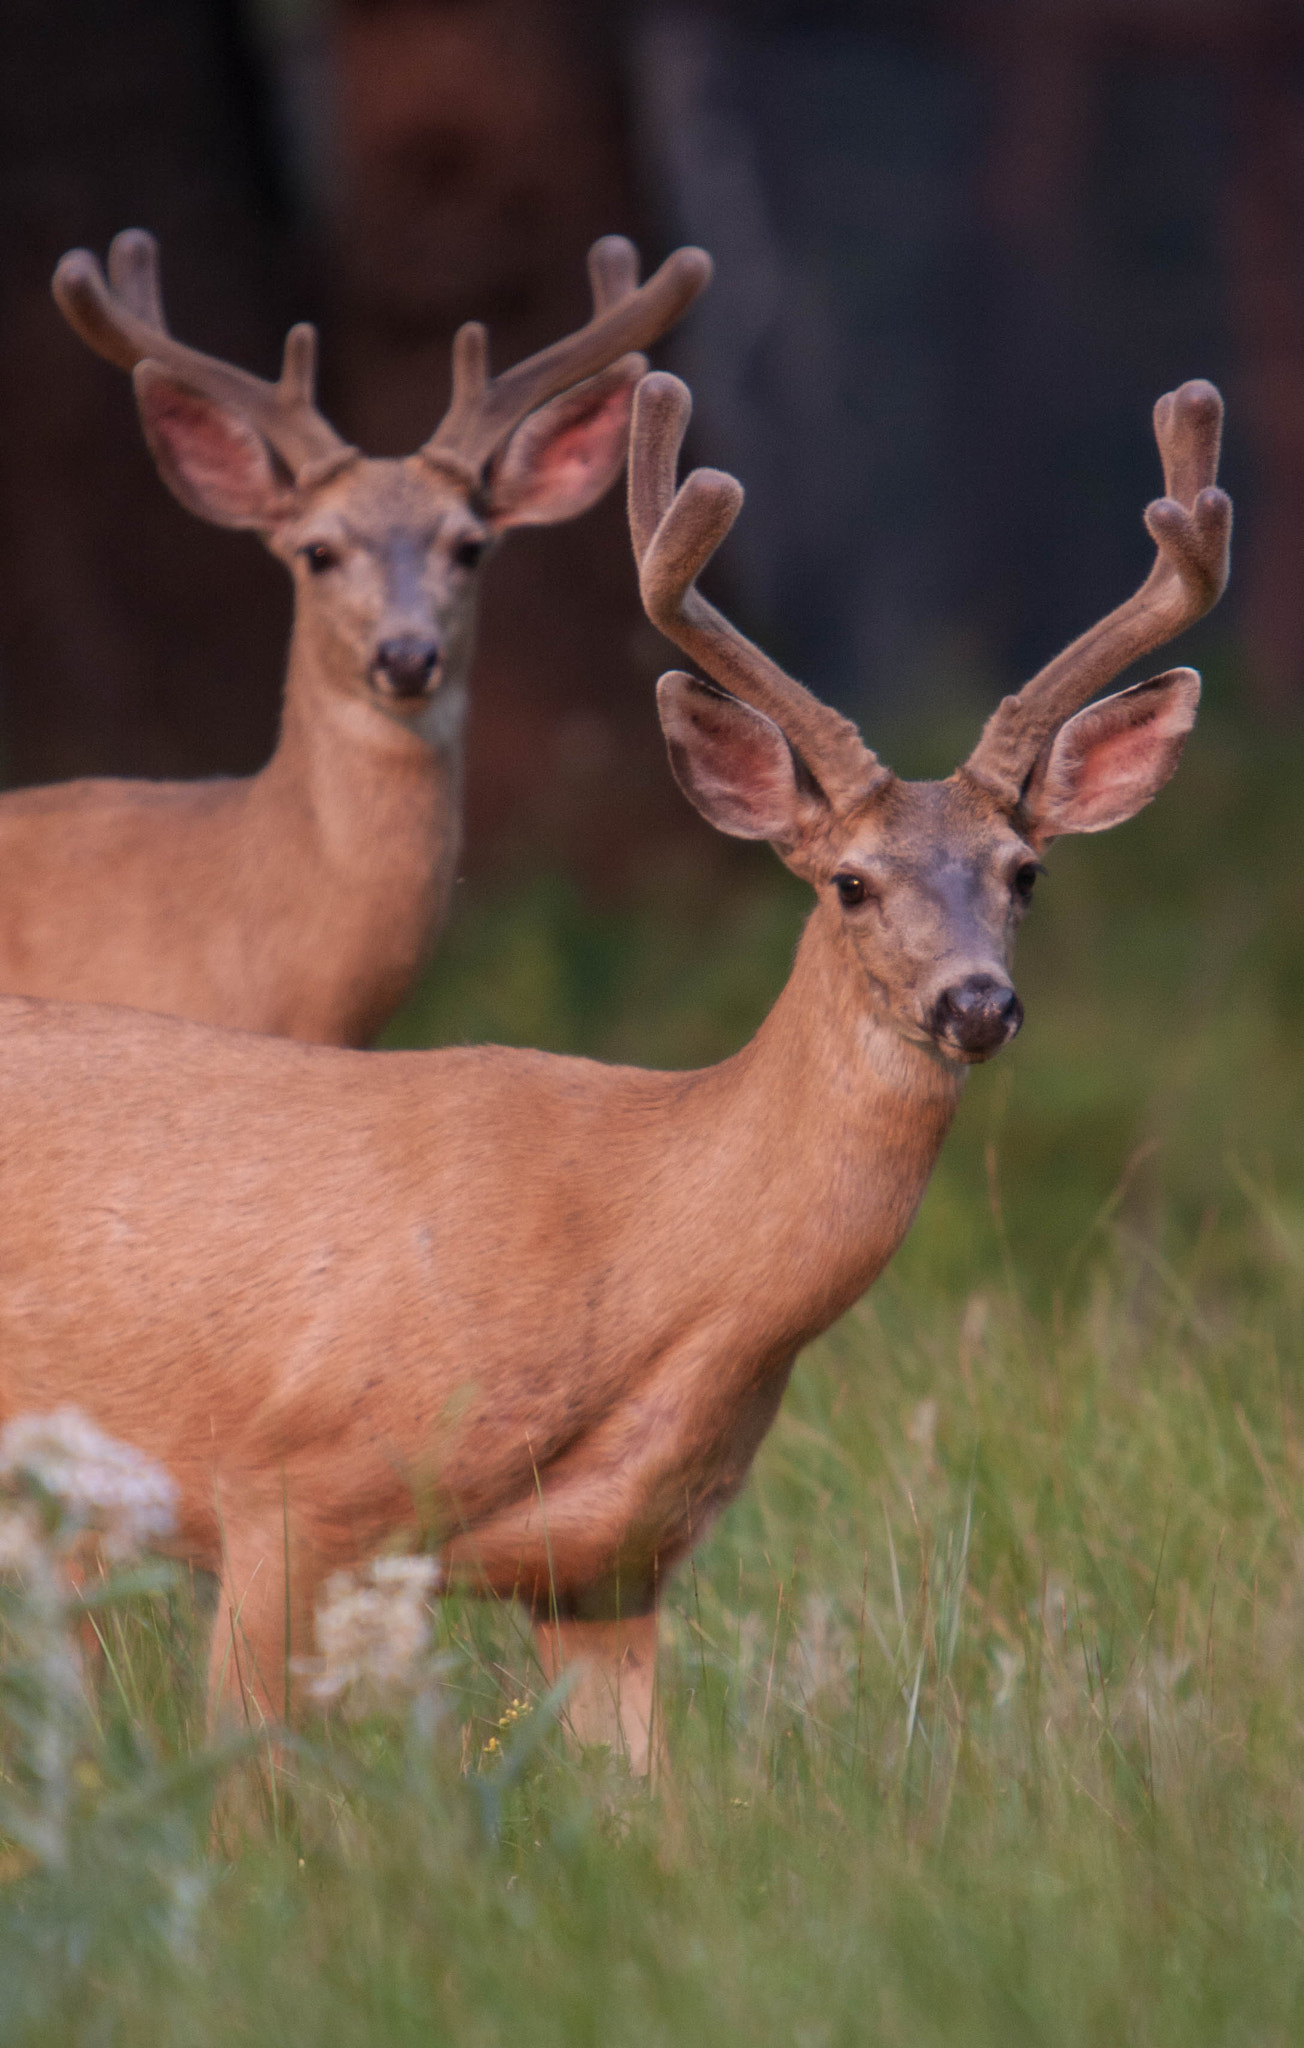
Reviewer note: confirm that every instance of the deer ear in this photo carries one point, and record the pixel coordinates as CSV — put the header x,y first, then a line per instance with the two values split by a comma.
x,y
563,457
733,763
1108,761
208,456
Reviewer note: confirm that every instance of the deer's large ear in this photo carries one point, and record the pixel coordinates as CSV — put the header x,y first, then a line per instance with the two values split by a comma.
x,y
563,457
207,455
734,764
1108,761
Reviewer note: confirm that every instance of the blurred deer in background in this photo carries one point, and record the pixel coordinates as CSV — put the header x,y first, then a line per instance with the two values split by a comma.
x,y
303,900
560,1301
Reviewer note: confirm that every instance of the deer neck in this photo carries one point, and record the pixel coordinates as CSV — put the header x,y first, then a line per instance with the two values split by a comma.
x,y
351,839
374,797
828,1125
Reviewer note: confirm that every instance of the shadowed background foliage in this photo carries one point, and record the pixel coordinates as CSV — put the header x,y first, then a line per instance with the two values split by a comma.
x,y
962,247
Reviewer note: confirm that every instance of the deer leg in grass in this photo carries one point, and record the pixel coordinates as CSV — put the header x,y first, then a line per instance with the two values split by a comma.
x,y
247,1668
613,1694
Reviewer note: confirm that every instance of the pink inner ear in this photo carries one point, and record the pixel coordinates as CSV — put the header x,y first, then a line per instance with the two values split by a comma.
x,y
746,760
1117,766
736,768
569,460
564,456
1113,757
214,461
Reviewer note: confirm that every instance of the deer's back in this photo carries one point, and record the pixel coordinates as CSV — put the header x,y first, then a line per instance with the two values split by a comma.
x,y
191,900
117,891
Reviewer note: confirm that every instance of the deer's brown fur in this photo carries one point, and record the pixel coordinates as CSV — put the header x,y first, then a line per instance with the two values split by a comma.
x,y
543,1306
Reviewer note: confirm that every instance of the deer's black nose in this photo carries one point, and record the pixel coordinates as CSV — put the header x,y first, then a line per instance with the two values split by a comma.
x,y
978,1015
403,666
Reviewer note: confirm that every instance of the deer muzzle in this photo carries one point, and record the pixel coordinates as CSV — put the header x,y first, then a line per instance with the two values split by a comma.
x,y
975,1017
405,666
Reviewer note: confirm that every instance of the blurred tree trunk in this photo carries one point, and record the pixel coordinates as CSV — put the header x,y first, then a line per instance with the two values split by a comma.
x,y
477,151
1265,243
133,639
1207,184
1037,546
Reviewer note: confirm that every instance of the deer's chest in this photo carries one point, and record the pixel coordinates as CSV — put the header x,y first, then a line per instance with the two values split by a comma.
x,y
604,1522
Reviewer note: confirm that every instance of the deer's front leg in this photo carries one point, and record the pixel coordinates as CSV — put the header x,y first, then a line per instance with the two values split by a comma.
x,y
613,1697
258,1616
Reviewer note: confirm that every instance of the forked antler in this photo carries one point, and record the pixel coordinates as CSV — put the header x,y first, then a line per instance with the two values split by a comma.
x,y
627,317
1191,529
675,534
122,319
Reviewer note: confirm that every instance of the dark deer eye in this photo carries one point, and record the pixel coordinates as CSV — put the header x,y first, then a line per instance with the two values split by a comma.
x,y
851,890
320,558
468,554
1025,880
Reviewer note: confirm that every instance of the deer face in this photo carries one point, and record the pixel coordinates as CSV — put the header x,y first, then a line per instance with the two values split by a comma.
x,y
385,554
385,560
926,894
922,886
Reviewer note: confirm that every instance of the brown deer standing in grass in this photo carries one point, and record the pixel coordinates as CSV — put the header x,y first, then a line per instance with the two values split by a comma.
x,y
303,900
558,1300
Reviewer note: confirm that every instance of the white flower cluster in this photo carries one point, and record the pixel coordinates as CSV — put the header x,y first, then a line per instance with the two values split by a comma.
x,y
373,1628
21,1546
98,1484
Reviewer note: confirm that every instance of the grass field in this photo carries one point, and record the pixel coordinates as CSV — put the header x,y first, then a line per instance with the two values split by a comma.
x,y
985,1702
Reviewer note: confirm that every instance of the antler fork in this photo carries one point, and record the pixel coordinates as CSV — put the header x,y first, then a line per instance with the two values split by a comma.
x,y
1191,529
675,534
627,317
122,319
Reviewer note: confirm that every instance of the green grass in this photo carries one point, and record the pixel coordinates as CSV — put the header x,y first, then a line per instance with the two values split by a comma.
x,y
985,1701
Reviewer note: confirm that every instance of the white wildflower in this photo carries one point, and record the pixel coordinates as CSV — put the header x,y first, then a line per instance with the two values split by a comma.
x,y
373,1628
823,1653
921,1429
1009,1673
21,1546
98,1483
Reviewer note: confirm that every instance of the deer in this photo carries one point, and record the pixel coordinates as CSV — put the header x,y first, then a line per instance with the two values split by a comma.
x,y
540,1308
303,901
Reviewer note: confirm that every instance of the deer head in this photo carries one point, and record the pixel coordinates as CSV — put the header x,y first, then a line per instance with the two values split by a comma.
x,y
384,553
922,886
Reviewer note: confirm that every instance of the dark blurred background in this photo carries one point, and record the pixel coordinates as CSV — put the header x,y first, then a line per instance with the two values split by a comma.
x,y
962,245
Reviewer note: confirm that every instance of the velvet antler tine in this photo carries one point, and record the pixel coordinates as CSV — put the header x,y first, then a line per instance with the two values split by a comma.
x,y
82,296
662,408
134,276
613,271
298,379
699,517
1191,529
627,318
1188,430
675,534
470,363
122,319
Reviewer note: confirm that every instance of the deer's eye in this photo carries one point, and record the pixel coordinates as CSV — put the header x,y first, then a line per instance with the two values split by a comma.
x,y
852,889
468,554
320,558
1025,880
